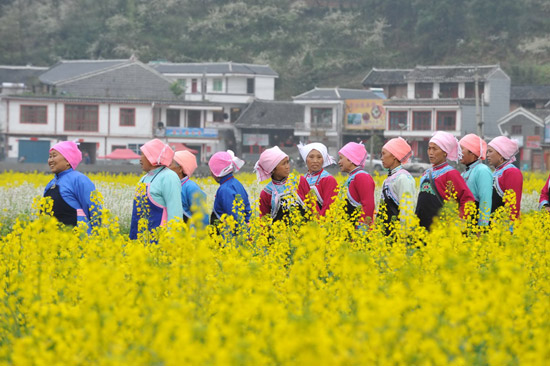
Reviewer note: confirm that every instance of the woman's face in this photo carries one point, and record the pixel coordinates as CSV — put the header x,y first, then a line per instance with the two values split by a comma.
x,y
435,154
493,157
282,170
145,163
345,164
388,160
57,162
314,161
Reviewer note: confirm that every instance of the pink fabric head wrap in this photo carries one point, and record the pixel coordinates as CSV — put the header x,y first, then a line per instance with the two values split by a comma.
x,y
269,160
306,149
399,148
506,147
475,144
356,153
157,152
187,161
448,143
224,162
70,152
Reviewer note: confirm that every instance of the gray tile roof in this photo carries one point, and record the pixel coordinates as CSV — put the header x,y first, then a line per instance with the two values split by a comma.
x,y
378,77
20,74
451,73
122,100
540,112
271,114
68,69
213,68
428,102
530,92
337,94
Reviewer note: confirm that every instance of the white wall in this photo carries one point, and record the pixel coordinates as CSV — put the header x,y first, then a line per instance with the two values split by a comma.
x,y
236,85
265,88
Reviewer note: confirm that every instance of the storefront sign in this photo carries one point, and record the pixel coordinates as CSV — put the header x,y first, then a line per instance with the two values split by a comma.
x,y
255,139
533,142
191,132
365,114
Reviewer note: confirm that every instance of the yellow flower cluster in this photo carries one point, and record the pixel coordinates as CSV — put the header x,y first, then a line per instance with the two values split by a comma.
x,y
318,292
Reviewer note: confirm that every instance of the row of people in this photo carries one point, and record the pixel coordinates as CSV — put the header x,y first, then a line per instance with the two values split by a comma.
x,y
165,192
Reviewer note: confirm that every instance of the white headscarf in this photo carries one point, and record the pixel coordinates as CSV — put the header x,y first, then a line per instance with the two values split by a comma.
x,y
306,149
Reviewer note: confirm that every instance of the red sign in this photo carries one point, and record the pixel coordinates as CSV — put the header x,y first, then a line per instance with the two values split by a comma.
x,y
532,142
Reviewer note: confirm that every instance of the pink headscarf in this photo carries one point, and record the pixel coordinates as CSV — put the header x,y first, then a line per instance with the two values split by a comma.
x,y
306,149
399,148
506,147
187,161
269,160
448,143
224,162
157,152
70,152
475,144
356,153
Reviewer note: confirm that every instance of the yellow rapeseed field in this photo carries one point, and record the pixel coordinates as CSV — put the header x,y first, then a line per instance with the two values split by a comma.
x,y
317,292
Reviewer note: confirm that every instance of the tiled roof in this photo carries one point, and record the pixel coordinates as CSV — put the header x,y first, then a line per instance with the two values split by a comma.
x,y
451,73
530,92
337,94
271,114
68,69
428,102
540,112
213,68
386,77
19,74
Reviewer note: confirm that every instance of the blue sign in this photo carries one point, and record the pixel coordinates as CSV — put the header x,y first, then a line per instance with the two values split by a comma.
x,y
547,134
191,132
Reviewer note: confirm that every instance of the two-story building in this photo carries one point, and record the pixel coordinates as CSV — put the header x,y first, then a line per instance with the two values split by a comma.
x,y
110,104
335,116
430,98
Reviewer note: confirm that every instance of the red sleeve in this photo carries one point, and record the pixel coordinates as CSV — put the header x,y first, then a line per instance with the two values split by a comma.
x,y
327,189
362,190
265,203
513,179
452,182
303,188
544,193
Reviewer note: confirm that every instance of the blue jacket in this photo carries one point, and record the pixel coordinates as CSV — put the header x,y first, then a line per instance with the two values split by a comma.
x,y
75,189
225,195
479,179
192,196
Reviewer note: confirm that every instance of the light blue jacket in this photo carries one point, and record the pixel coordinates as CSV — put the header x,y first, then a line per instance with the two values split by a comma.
x,y
165,190
479,179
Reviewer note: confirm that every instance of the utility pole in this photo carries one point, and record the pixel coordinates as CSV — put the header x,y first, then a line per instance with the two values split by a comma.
x,y
478,113
371,145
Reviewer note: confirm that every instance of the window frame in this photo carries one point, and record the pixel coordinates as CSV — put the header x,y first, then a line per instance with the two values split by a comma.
x,y
449,91
217,85
71,105
414,123
470,89
516,129
427,88
21,113
439,126
120,117
396,127
313,119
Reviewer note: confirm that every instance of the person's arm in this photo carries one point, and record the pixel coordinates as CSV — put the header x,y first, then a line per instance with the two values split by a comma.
x,y
363,187
544,201
452,183
484,184
405,189
328,187
265,203
513,180
171,193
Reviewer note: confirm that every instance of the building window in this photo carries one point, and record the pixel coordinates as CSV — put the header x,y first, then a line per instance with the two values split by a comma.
x,y
35,114
470,89
250,86
194,119
217,85
423,90
446,121
448,90
127,116
397,119
194,86
114,147
537,131
183,84
422,121
516,130
135,148
81,117
218,116
321,117
172,118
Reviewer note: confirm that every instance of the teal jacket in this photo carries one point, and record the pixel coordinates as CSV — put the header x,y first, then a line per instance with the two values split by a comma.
x,y
165,190
479,179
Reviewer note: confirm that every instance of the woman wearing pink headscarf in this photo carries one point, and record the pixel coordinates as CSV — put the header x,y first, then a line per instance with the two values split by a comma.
x,y
70,190
222,166
279,197
157,198
321,183
192,196
359,185
506,177
399,189
440,182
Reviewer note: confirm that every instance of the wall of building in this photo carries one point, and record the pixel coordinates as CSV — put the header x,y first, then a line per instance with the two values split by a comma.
x,y
499,103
